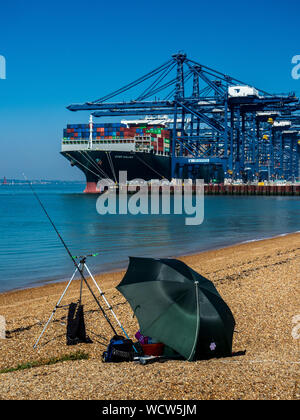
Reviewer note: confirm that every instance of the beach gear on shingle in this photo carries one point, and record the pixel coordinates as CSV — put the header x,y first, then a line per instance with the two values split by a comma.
x,y
178,307
141,338
120,349
76,332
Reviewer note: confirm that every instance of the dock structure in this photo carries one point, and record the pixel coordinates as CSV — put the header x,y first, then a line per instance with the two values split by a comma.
x,y
252,189
239,131
215,189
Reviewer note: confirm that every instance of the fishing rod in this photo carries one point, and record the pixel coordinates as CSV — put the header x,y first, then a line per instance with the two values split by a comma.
x,y
70,255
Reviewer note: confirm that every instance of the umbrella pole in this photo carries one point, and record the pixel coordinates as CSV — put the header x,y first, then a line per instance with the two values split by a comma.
x,y
102,294
197,327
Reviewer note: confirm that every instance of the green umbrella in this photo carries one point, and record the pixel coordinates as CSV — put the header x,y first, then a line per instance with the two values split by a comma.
x,y
178,307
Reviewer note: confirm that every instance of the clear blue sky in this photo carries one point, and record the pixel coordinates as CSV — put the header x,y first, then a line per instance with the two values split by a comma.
x,y
63,52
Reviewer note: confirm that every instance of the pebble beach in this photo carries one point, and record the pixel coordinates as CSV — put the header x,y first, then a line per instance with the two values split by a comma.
x,y
258,280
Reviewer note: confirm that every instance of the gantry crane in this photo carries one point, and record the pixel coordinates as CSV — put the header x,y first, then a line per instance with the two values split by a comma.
x,y
215,120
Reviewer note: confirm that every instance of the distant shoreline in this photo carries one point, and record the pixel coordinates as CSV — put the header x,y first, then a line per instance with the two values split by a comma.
x,y
37,182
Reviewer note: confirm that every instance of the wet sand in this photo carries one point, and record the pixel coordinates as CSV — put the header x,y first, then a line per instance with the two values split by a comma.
x,y
258,280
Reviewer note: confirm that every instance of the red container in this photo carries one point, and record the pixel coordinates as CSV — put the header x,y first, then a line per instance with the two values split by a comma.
x,y
156,349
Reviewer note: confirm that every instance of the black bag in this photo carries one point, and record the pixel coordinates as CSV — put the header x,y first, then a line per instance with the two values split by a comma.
x,y
75,327
120,349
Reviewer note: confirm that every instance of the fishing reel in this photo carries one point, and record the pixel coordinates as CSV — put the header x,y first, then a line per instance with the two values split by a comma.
x,y
82,258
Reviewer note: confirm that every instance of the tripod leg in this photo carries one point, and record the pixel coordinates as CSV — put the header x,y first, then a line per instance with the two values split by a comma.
x,y
106,301
81,281
97,301
54,310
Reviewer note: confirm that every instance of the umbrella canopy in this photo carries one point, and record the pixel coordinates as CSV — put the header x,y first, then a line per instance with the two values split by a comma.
x,y
178,307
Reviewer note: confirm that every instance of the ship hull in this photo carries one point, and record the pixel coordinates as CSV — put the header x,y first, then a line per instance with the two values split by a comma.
x,y
98,164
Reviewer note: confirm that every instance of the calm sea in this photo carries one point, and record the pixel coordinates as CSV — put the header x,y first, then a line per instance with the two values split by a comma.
x,y
31,253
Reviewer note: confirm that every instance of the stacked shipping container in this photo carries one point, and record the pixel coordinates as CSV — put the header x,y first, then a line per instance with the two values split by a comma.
x,y
150,137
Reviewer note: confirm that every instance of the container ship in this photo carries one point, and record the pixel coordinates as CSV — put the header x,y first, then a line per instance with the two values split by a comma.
x,y
140,147
101,150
